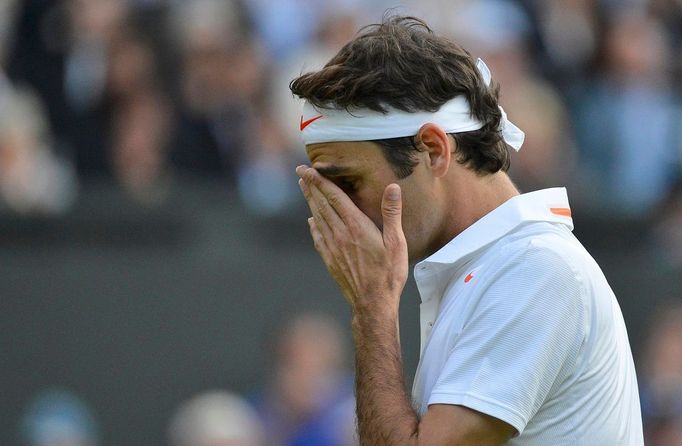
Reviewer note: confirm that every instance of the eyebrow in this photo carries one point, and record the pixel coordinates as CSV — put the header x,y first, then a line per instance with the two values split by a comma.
x,y
331,171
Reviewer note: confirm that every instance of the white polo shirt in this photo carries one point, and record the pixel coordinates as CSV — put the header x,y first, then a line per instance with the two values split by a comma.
x,y
518,322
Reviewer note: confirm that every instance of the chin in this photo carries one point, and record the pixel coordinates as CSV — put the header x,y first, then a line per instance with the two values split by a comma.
x,y
414,256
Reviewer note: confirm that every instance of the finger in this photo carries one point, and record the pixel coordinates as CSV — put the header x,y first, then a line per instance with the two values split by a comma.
x,y
318,207
328,258
391,211
308,195
338,200
300,170
326,211
318,204
341,228
320,244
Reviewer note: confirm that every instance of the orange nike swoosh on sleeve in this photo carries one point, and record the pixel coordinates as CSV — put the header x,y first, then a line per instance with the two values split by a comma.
x,y
307,122
564,212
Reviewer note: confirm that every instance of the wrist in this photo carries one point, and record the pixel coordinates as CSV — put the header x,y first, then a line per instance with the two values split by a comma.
x,y
378,310
377,322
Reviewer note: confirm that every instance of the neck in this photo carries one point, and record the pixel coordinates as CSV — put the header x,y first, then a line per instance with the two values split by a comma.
x,y
474,197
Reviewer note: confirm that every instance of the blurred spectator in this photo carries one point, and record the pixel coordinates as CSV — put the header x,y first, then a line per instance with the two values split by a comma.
x,y
100,80
628,123
670,14
661,380
58,418
33,179
286,26
498,31
221,76
437,13
225,129
8,15
570,35
336,30
667,232
301,35
141,120
36,57
267,181
94,26
215,418
264,182
309,400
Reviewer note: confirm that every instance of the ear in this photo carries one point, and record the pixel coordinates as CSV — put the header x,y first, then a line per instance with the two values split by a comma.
x,y
435,142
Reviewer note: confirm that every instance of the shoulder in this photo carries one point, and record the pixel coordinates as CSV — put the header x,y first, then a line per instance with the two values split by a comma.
x,y
539,271
541,251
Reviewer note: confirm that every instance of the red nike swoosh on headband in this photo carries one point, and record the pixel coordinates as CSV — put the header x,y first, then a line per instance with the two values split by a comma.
x,y
307,122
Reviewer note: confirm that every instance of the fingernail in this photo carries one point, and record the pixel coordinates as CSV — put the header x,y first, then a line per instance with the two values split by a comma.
x,y
394,193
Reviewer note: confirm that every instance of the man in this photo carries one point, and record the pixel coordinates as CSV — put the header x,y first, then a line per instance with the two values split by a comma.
x,y
523,342
308,399
215,418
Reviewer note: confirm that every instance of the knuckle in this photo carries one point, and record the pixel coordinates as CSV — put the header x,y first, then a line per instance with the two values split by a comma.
x,y
314,232
392,240
325,207
334,200
317,243
392,211
353,227
341,239
320,209
311,177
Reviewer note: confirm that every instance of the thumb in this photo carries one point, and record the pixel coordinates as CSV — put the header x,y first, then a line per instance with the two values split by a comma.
x,y
391,211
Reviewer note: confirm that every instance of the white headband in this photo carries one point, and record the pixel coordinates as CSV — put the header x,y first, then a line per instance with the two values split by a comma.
x,y
454,116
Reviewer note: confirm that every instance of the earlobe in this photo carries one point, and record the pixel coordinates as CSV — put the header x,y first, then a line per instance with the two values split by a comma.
x,y
435,142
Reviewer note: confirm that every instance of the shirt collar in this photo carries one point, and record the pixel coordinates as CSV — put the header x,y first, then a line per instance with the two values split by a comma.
x,y
550,205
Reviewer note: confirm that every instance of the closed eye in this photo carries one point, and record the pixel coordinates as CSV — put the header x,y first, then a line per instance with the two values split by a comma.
x,y
339,176
345,184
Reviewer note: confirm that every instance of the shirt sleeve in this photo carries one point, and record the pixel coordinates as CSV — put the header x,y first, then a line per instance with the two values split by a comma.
x,y
523,336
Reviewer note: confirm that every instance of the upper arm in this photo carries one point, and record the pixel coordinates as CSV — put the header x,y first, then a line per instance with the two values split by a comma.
x,y
453,425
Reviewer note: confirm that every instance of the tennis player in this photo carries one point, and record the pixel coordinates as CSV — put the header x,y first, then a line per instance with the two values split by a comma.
x,y
523,341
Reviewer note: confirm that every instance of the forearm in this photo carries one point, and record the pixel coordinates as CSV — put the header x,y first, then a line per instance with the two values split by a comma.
x,y
371,267
385,416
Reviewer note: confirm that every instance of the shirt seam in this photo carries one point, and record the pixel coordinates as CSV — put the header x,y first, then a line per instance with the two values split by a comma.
x,y
520,417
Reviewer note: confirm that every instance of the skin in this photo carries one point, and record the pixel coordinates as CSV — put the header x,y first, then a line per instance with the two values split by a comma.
x,y
368,226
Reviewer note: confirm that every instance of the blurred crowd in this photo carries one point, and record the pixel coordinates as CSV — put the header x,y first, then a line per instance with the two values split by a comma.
x,y
143,92
307,401
146,93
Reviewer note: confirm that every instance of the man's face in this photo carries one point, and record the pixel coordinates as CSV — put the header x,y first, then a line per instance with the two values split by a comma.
x,y
362,172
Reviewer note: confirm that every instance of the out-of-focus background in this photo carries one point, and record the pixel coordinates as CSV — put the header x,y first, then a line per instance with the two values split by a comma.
x,y
157,282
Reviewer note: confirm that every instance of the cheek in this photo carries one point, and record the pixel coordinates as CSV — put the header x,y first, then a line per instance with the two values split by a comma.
x,y
416,221
370,204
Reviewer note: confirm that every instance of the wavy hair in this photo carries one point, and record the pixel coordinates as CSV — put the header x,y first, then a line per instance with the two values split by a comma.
x,y
401,63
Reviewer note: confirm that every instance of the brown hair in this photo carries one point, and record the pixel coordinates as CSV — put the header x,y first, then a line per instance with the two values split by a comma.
x,y
402,64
